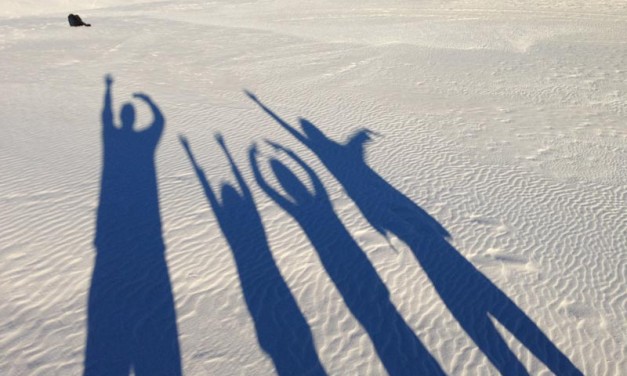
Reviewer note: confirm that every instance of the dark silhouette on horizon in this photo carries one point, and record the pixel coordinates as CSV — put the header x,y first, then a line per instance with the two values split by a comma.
x,y
282,331
469,295
363,291
131,315
75,20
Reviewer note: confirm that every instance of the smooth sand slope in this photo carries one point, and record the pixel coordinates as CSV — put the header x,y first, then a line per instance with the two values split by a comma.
x,y
343,188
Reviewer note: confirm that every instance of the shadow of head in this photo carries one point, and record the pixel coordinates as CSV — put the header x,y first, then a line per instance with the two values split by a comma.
x,y
127,116
230,195
290,182
355,143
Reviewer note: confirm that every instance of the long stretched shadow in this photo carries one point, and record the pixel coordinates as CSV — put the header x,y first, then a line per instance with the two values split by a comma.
x,y
281,328
131,315
364,293
470,296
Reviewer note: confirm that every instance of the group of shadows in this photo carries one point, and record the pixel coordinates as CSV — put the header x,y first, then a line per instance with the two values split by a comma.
x,y
131,316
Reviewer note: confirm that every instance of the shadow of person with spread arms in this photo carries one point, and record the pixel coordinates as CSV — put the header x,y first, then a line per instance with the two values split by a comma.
x,y
282,330
131,315
470,296
364,293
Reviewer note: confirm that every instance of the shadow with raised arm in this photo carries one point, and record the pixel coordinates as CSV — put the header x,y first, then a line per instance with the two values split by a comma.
x,y
363,291
282,331
131,316
469,295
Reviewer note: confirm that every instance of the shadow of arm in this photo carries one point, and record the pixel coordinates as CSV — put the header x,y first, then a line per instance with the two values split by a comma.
x,y
236,172
281,122
200,174
158,122
107,110
317,184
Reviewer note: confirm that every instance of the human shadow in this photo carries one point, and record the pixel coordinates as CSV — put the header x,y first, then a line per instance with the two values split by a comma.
x,y
131,315
282,331
363,291
469,295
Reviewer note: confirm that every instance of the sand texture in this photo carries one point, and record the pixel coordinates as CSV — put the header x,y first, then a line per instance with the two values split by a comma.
x,y
313,188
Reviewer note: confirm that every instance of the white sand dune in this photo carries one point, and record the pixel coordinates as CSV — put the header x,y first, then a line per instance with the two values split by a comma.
x,y
478,226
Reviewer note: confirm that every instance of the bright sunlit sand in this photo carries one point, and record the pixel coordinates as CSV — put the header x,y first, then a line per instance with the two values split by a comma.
x,y
315,187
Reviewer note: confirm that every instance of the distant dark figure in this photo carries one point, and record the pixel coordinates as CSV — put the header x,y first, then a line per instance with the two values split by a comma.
x,y
468,294
282,331
363,291
75,20
131,316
